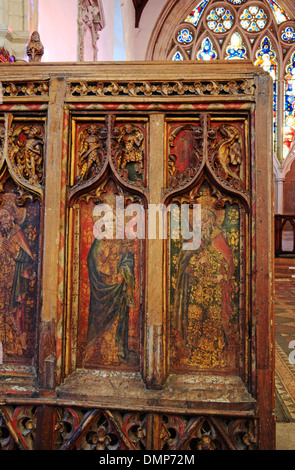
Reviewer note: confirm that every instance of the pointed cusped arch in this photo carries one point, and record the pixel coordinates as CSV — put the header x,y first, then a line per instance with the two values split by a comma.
x,y
256,28
175,13
206,46
236,46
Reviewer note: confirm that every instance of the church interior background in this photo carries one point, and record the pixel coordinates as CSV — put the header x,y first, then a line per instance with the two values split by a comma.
x,y
176,31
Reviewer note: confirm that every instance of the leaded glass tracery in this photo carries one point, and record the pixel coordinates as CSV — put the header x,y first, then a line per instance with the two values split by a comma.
x,y
253,19
278,12
196,13
237,2
289,114
207,52
220,20
266,58
236,49
288,34
259,30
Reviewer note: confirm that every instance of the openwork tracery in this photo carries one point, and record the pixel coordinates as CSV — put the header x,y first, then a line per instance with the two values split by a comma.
x,y
259,30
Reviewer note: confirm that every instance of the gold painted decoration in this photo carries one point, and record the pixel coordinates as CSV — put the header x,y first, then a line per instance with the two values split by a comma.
x,y
162,89
204,289
91,151
128,152
26,153
226,152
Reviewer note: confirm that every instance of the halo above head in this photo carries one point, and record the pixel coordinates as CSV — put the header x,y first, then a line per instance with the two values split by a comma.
x,y
8,202
209,203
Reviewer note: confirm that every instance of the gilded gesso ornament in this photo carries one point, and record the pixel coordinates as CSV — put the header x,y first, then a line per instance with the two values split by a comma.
x,y
226,153
26,152
204,321
128,152
91,152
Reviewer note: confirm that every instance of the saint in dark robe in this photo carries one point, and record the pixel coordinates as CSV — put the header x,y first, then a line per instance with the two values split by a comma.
x,y
111,277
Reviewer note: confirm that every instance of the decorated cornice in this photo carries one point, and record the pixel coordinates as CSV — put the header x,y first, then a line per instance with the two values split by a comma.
x,y
145,88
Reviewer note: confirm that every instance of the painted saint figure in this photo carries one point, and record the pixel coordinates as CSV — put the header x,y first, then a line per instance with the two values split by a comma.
x,y
202,303
17,270
111,276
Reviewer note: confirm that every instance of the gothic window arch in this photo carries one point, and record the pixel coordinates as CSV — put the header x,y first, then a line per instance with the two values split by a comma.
x,y
262,31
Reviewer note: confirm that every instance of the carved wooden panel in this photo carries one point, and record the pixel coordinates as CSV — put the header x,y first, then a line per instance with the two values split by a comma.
x,y
121,329
206,323
21,214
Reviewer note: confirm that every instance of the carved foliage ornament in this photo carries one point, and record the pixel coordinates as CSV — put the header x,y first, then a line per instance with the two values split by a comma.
x,y
120,146
24,89
91,151
217,147
242,87
26,152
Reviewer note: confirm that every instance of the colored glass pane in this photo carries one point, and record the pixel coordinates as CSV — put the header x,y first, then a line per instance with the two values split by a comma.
x,y
185,36
278,12
236,49
196,13
220,20
237,2
206,52
266,58
177,56
253,19
288,34
289,121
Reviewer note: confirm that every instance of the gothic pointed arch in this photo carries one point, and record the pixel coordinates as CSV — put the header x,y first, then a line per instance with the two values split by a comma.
x,y
236,46
206,45
250,20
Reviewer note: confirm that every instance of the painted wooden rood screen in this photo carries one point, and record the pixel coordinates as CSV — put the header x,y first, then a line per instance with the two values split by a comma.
x,y
119,332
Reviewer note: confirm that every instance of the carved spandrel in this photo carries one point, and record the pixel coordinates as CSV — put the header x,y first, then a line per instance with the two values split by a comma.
x,y
26,153
185,154
91,151
128,153
226,153
102,146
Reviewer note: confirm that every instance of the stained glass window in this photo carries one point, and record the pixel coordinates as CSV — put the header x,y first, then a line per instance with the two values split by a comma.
x,y
253,19
185,36
237,2
177,56
278,12
207,52
196,14
220,20
236,49
288,34
232,28
289,121
266,58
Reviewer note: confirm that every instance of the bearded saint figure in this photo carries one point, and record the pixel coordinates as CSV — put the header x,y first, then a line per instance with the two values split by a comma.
x,y
16,260
203,305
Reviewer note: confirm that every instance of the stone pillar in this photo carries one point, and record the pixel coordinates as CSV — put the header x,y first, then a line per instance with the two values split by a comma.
x,y
280,194
16,17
